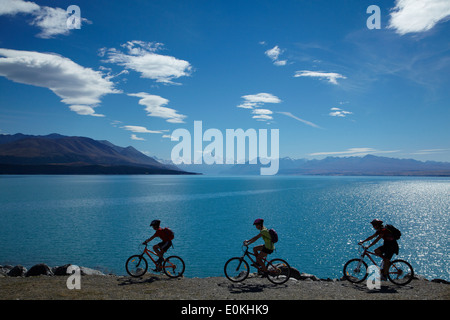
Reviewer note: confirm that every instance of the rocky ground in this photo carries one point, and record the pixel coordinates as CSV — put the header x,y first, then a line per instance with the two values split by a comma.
x,y
96,286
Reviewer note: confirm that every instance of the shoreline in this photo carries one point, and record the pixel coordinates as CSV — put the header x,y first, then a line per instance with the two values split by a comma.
x,y
95,285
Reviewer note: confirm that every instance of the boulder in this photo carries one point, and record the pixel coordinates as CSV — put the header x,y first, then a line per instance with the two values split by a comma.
x,y
61,270
90,272
39,269
17,271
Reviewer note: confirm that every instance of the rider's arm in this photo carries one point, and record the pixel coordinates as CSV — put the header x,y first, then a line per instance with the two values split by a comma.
x,y
369,238
150,239
247,242
375,241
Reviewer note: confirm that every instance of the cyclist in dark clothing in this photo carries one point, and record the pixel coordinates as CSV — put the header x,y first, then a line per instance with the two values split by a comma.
x,y
387,250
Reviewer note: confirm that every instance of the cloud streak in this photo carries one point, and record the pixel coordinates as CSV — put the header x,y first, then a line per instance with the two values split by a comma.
x,y
352,152
330,76
299,119
255,101
155,107
141,57
79,87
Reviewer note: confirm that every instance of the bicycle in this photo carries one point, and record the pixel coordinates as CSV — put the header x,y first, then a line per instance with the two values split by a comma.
x,y
137,265
237,269
356,270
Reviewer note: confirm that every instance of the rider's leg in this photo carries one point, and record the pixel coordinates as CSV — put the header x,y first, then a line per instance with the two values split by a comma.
x,y
260,255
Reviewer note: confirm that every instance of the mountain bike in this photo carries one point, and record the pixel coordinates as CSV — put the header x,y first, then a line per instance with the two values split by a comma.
x,y
237,269
137,265
356,270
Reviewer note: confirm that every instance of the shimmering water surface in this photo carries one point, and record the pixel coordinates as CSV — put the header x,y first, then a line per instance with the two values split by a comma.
x,y
98,221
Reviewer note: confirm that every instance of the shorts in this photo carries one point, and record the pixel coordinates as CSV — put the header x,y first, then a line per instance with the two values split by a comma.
x,y
265,250
388,249
164,245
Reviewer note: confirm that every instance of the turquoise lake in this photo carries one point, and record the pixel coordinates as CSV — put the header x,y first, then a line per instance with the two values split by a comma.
x,y
99,221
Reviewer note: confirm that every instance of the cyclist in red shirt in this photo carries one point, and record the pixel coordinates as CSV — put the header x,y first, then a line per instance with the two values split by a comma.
x,y
164,245
387,250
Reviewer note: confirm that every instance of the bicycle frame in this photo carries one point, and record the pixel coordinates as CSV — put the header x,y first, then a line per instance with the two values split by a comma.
x,y
369,254
149,254
249,255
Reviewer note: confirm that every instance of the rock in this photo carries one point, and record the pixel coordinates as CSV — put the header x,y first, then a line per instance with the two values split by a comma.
x,y
17,271
90,272
295,273
39,269
307,276
440,281
61,270
5,269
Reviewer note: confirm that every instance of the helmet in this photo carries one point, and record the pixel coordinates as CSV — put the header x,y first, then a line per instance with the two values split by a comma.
x,y
155,223
376,222
258,221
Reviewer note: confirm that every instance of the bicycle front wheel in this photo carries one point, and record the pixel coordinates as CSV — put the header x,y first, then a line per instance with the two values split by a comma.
x,y
136,266
173,267
400,272
279,271
355,270
236,269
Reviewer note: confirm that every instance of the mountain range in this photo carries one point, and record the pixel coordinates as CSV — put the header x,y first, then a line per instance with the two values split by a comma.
x,y
58,154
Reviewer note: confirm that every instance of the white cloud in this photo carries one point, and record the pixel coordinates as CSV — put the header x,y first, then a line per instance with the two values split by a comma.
x,y
77,86
12,7
154,105
410,16
352,152
299,119
51,21
262,114
338,112
141,57
139,129
330,76
273,54
255,101
134,137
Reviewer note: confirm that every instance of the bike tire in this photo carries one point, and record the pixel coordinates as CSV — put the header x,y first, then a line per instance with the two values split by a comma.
x,y
279,271
136,266
352,274
173,267
236,269
397,269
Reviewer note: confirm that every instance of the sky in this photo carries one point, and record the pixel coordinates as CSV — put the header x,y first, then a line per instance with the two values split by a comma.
x,y
336,78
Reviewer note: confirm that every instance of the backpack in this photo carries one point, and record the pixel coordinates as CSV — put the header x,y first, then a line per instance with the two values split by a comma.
x,y
169,233
395,232
273,235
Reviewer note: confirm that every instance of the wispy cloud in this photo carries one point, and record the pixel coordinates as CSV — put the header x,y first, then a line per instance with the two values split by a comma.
x,y
155,107
330,76
79,87
352,152
141,57
338,112
135,137
255,101
409,16
273,54
51,21
139,129
430,151
299,119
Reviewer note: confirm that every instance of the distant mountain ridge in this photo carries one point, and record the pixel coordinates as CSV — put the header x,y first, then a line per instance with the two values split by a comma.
x,y
55,153
367,165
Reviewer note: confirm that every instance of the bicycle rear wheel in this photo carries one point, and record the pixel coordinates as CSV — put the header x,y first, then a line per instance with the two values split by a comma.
x,y
355,270
400,272
236,269
279,271
173,267
136,266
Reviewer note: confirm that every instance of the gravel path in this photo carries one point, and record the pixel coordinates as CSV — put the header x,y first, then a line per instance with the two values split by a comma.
x,y
159,287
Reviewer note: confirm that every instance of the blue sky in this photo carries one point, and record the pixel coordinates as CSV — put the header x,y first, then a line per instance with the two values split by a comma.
x,y
137,70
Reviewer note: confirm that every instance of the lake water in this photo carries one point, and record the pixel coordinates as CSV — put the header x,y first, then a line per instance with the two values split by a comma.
x,y
99,221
